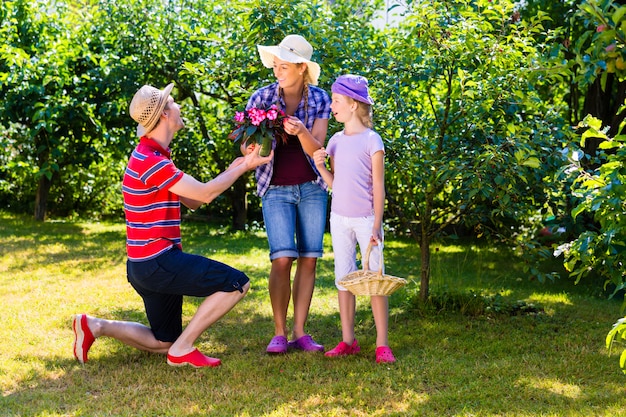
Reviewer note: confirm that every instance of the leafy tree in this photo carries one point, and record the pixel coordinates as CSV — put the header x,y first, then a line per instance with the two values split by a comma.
x,y
68,77
598,179
601,250
59,104
597,65
455,88
469,137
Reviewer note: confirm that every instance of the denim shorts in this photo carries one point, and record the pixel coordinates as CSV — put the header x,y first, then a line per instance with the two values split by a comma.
x,y
163,281
295,220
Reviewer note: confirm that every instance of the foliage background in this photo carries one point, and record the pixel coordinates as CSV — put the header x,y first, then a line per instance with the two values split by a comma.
x,y
475,100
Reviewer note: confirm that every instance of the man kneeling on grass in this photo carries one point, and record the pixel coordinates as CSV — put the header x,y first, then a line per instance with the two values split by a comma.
x,y
157,268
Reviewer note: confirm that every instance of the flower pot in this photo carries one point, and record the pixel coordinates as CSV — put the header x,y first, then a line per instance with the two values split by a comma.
x,y
266,145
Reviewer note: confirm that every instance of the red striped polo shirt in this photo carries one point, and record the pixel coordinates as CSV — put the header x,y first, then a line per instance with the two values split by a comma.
x,y
152,211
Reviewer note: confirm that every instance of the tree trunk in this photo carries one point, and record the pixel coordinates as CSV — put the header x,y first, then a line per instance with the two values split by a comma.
x,y
604,104
239,203
41,199
425,249
425,269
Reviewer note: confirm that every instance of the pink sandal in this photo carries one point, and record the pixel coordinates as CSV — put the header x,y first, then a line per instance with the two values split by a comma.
x,y
344,349
384,355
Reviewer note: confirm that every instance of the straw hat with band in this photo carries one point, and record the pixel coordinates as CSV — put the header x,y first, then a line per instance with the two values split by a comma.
x,y
294,49
147,105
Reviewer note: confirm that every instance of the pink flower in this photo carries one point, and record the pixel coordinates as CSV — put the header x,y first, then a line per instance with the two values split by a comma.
x,y
272,114
257,123
601,28
256,116
610,48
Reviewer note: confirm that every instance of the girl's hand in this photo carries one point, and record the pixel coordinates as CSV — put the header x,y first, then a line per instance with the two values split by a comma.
x,y
319,156
375,237
293,125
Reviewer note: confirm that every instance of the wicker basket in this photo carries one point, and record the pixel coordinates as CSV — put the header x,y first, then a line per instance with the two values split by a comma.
x,y
366,282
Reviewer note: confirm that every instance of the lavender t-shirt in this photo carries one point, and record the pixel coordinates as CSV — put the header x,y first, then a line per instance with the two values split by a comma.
x,y
352,183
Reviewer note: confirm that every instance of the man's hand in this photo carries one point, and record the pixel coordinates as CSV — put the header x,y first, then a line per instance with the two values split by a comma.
x,y
252,159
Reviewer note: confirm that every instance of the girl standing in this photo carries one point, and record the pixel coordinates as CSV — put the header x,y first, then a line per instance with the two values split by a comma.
x,y
356,177
294,195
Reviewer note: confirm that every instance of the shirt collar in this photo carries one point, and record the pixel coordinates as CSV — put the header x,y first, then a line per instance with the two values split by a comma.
x,y
151,143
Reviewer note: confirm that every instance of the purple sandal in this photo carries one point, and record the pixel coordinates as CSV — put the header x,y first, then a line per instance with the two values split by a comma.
x,y
278,344
306,343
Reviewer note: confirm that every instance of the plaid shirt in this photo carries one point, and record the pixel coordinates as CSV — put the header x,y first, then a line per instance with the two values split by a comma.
x,y
318,108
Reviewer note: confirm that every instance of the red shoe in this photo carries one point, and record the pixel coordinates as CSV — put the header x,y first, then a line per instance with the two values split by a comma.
x,y
384,355
83,338
344,349
193,358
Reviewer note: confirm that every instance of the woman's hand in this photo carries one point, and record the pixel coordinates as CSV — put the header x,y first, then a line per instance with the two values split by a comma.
x,y
293,125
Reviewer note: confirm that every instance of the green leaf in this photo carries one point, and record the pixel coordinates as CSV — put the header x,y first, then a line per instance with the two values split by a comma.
x,y
570,264
578,209
592,122
532,162
250,130
618,15
609,144
610,336
511,128
592,133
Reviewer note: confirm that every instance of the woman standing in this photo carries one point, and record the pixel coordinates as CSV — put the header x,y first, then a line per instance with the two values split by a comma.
x,y
294,196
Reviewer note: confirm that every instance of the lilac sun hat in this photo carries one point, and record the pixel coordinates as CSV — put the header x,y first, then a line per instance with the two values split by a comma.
x,y
353,86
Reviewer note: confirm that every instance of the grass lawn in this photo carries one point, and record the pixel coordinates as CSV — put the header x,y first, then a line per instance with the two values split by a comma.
x,y
553,363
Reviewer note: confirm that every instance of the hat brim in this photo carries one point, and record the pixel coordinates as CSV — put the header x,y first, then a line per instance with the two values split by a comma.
x,y
268,53
165,94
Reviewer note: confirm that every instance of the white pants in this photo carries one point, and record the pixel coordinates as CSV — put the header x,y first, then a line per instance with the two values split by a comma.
x,y
346,232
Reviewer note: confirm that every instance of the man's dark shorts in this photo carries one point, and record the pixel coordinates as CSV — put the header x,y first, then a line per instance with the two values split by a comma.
x,y
161,282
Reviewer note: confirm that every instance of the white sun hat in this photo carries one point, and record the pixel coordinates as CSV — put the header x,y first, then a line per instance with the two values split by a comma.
x,y
294,49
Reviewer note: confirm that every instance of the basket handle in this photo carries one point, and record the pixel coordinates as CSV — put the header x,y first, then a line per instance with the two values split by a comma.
x,y
368,251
